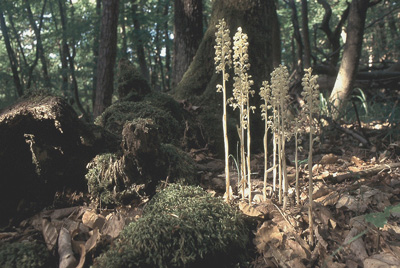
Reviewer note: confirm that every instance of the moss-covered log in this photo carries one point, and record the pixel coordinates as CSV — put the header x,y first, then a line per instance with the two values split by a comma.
x,y
199,83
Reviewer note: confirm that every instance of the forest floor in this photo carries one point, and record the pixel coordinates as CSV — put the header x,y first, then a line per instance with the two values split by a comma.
x,y
356,208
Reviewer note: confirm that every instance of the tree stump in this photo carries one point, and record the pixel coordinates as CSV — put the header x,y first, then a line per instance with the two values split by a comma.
x,y
45,147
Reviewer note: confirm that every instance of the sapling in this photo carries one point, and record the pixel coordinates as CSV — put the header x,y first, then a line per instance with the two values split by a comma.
x,y
223,59
241,90
311,96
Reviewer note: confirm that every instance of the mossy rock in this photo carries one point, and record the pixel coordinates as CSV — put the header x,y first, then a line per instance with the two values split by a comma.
x,y
25,255
115,116
183,226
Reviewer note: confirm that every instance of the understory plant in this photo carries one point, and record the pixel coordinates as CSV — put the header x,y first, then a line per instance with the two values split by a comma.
x,y
222,59
311,98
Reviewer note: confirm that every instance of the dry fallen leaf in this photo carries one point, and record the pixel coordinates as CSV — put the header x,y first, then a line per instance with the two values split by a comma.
x,y
328,159
50,233
93,220
268,234
67,259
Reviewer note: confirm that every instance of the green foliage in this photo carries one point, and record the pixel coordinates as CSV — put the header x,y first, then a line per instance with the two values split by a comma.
x,y
24,255
115,116
379,219
182,226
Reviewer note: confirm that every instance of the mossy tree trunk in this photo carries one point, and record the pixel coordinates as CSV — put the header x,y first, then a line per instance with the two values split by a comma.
x,y
198,84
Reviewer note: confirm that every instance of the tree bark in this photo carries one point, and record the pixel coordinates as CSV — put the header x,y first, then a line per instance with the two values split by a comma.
x,y
188,32
11,54
107,56
167,48
351,56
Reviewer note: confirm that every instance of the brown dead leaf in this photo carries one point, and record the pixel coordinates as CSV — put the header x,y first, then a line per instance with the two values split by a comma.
x,y
298,250
328,159
113,226
382,260
354,169
357,161
91,243
93,220
268,234
50,233
296,263
67,259
248,210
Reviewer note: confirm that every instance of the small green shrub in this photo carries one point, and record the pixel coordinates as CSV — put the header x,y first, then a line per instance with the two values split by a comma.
x,y
182,226
24,255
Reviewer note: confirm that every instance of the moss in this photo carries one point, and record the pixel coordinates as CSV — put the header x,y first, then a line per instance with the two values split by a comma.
x,y
25,255
115,116
166,103
183,226
180,167
108,181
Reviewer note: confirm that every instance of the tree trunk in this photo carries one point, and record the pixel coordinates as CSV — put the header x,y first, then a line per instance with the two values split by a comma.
x,y
11,55
139,43
276,38
333,37
188,32
96,49
39,44
199,82
167,48
107,56
299,43
351,56
64,52
306,35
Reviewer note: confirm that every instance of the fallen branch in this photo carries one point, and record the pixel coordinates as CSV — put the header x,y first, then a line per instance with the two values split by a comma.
x,y
366,172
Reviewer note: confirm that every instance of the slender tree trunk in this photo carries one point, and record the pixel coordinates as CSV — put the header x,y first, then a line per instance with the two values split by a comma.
x,y
167,48
71,58
123,32
333,37
297,37
107,56
188,32
139,44
11,55
276,38
351,56
39,44
64,52
96,49
306,35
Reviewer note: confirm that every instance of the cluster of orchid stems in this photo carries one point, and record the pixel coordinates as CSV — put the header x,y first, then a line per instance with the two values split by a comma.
x,y
280,121
241,94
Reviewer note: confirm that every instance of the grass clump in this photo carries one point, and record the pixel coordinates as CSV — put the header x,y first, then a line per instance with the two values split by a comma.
x,y
24,255
182,226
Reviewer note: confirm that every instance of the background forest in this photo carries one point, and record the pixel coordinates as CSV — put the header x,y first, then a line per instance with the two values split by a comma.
x,y
137,180
55,44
